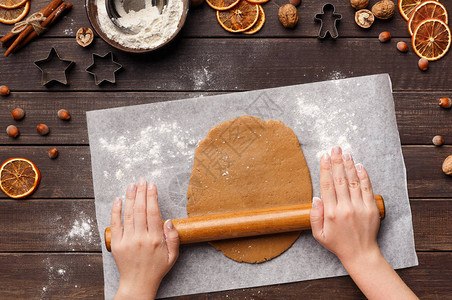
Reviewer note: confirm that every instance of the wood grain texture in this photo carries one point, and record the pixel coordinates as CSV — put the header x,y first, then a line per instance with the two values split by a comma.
x,y
419,117
202,22
230,65
36,276
58,225
69,176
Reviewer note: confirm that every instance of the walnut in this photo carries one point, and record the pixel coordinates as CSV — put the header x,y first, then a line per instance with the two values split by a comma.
x,y
364,18
447,165
359,4
384,9
288,15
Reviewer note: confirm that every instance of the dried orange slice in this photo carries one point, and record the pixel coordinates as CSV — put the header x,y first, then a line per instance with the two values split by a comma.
x,y
239,18
11,16
259,24
19,177
222,4
9,4
427,10
258,1
406,7
431,39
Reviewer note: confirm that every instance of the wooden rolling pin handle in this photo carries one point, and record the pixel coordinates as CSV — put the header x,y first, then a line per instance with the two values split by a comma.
x,y
244,224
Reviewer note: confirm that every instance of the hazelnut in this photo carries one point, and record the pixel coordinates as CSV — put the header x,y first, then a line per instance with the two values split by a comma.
x,y
18,114
42,129
288,15
84,36
384,37
359,4
4,90
447,165
53,153
423,64
12,131
445,102
364,18
195,3
438,140
402,47
384,9
64,114
295,2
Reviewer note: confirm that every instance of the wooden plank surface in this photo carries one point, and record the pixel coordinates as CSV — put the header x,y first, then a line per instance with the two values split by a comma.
x,y
70,225
201,22
73,276
419,117
69,176
231,65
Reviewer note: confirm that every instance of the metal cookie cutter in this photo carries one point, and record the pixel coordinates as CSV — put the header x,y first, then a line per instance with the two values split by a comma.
x,y
104,68
54,68
328,21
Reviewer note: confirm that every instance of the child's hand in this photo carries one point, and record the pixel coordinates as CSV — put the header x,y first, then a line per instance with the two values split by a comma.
x,y
143,249
346,220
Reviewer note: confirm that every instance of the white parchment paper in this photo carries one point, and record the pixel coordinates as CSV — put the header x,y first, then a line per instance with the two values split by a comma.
x,y
157,141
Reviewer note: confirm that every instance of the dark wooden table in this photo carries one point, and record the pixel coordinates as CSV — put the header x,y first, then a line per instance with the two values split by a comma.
x,y
49,244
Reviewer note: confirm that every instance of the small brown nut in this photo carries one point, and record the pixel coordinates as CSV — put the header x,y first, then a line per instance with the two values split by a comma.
x,y
288,15
384,37
384,9
12,131
53,153
64,114
445,102
195,3
295,2
18,114
42,129
447,165
84,36
402,47
359,4
4,90
438,140
423,64
364,18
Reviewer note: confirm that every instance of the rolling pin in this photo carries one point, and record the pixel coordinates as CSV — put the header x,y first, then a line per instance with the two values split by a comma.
x,y
245,223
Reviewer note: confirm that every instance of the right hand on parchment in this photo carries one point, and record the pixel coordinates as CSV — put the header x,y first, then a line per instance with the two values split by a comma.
x,y
143,249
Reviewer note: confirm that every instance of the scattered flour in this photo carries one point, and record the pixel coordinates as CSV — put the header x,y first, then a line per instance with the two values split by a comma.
x,y
335,75
201,78
152,28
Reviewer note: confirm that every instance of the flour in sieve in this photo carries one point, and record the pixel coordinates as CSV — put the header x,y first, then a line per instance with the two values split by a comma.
x,y
152,29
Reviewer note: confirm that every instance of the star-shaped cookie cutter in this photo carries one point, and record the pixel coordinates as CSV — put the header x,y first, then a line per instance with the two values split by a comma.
x,y
98,60
319,18
47,72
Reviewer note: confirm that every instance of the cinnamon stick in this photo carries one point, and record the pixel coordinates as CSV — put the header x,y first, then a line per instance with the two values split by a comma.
x,y
64,7
45,11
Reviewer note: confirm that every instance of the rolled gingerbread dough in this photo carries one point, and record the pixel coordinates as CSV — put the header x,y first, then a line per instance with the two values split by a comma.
x,y
243,164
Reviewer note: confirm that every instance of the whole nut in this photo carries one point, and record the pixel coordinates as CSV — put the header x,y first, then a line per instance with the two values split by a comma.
x,y
384,9
402,47
12,131
53,153
295,2
447,165
42,129
364,18
423,64
18,114
438,140
84,36
359,4
64,114
288,15
4,90
384,37
445,102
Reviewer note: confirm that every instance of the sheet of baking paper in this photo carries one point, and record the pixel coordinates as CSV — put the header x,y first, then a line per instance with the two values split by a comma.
x,y
157,141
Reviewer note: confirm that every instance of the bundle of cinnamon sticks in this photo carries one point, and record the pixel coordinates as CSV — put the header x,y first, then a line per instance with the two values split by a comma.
x,y
54,10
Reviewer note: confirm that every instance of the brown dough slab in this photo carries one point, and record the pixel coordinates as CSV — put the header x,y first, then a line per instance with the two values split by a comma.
x,y
243,164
